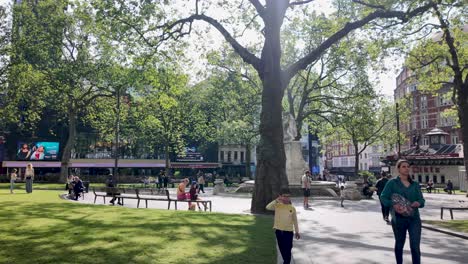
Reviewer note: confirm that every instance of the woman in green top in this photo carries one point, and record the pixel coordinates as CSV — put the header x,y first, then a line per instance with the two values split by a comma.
x,y
404,218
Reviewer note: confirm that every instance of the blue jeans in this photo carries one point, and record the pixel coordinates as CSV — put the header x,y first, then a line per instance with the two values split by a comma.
x,y
285,244
400,226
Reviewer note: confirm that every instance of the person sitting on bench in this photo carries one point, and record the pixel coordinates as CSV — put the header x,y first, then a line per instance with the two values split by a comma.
x,y
194,196
449,187
429,186
77,187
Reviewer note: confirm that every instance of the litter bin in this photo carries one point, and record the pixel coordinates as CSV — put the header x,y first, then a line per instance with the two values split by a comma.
x,y
86,186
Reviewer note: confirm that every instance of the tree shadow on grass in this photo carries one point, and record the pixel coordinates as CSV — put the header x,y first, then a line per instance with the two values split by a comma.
x,y
72,233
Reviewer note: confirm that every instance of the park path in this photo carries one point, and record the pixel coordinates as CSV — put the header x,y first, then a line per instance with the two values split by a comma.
x,y
354,234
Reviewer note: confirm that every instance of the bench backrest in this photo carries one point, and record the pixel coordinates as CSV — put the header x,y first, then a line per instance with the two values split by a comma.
x,y
153,192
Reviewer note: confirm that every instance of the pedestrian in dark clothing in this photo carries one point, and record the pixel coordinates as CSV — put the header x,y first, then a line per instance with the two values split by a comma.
x,y
165,180
404,197
380,185
449,187
77,187
111,184
160,179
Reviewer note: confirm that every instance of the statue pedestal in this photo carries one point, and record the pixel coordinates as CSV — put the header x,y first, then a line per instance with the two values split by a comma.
x,y
295,163
218,186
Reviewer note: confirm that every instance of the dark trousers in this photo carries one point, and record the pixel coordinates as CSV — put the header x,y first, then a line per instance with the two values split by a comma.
x,y
285,244
400,226
385,209
202,188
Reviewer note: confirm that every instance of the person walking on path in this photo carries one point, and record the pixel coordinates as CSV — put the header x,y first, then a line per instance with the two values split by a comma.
x,y
285,223
342,195
29,177
380,185
306,188
201,183
13,177
404,197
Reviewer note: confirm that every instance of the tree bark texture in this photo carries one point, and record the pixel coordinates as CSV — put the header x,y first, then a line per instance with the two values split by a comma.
x,y
271,159
68,146
248,157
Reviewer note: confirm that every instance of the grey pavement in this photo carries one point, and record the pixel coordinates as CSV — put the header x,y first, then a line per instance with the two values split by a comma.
x,y
353,234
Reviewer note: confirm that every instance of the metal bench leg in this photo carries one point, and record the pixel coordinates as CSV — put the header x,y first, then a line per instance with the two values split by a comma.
x,y
104,198
441,213
138,203
168,205
146,203
175,204
95,198
451,214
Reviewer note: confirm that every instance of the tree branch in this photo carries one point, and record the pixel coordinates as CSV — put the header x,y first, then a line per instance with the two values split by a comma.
x,y
368,4
300,2
245,54
259,7
350,26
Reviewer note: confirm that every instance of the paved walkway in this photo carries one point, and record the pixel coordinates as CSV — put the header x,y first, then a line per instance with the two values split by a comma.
x,y
354,234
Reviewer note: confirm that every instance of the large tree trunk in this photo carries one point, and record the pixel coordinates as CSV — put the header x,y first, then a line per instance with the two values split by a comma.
x,y
356,161
463,116
68,146
271,159
248,157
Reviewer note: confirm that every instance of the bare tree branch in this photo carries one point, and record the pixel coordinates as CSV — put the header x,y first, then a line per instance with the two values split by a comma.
x,y
259,7
368,4
300,2
307,59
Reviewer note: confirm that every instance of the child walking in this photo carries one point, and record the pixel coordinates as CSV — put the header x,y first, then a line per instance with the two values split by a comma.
x,y
285,223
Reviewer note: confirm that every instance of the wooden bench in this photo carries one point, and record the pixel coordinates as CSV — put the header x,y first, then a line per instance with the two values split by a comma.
x,y
105,192
144,194
451,209
434,189
126,193
204,202
153,195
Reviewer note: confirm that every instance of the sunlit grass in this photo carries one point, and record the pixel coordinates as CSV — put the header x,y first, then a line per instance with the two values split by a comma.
x,y
456,225
42,228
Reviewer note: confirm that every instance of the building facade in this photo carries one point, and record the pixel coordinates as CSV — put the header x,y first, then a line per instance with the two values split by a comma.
x,y
426,112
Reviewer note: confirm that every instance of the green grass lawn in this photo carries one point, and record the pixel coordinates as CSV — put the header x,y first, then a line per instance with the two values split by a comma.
x,y
455,225
42,228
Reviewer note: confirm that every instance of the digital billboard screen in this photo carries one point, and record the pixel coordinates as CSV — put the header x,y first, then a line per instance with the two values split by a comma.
x,y
38,151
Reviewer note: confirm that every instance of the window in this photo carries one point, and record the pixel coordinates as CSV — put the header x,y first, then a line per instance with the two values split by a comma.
x,y
375,149
242,156
423,102
344,162
442,178
437,170
365,166
412,176
425,141
454,138
443,100
434,178
414,124
427,178
365,155
343,150
221,155
351,150
419,178
229,156
235,155
424,121
360,166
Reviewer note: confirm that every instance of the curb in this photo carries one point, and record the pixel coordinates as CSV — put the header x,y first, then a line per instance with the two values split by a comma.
x,y
450,233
